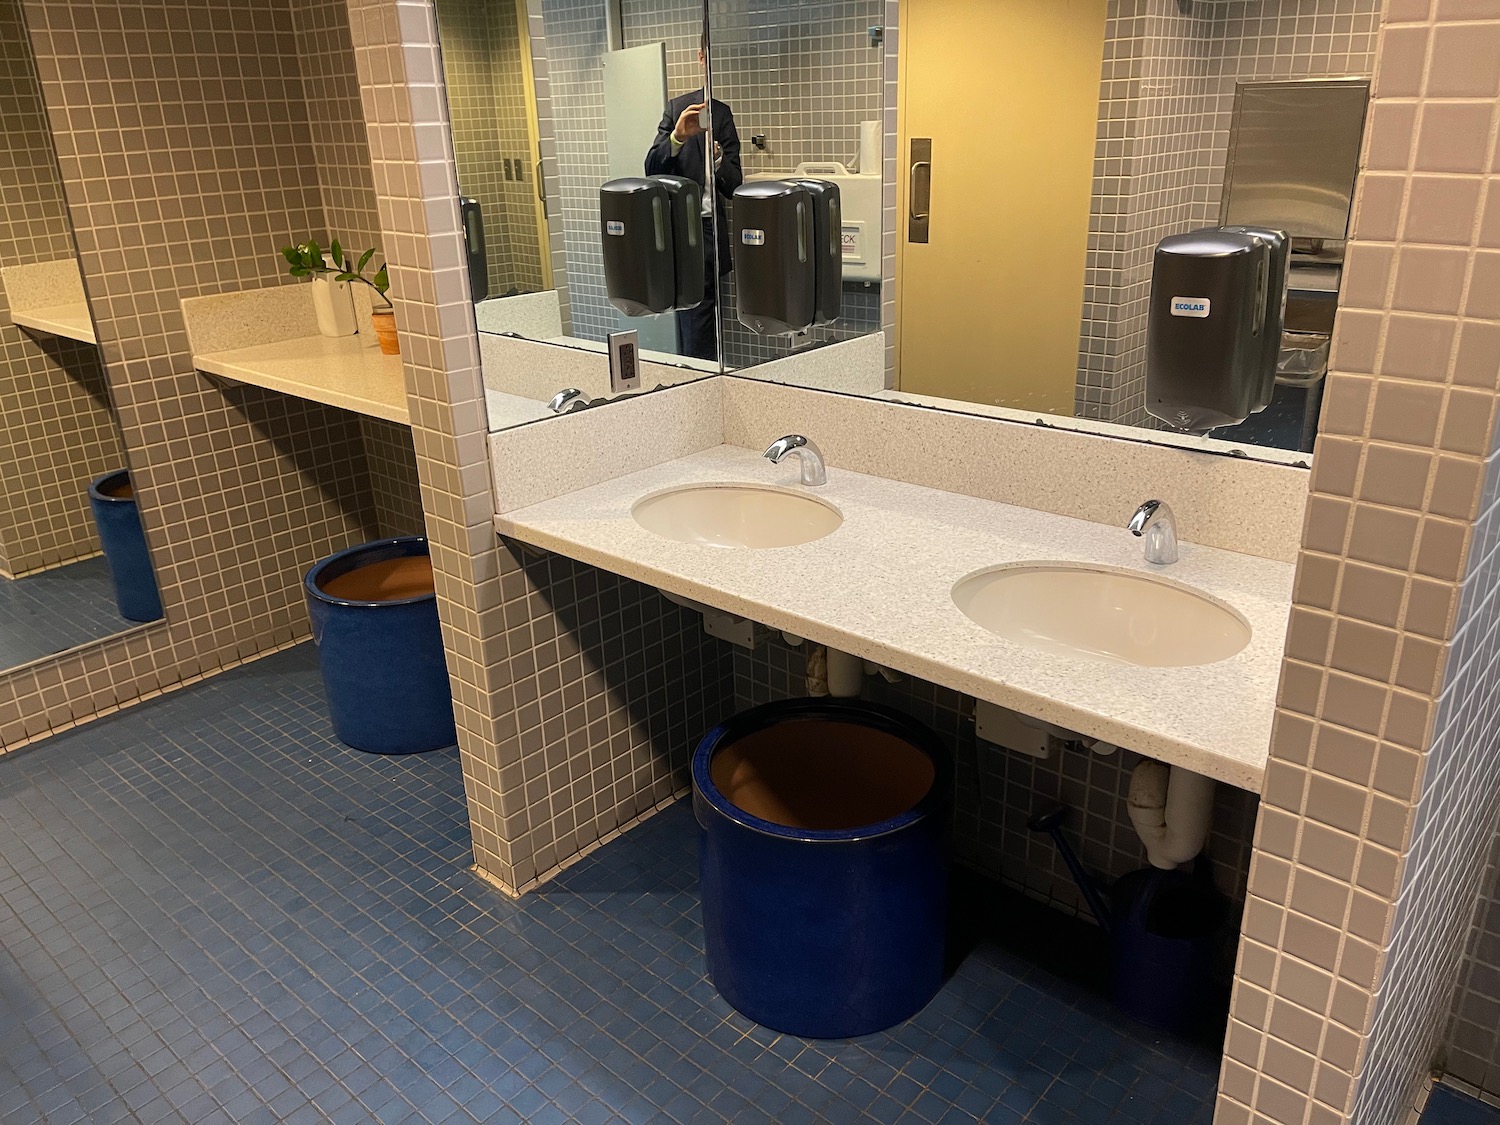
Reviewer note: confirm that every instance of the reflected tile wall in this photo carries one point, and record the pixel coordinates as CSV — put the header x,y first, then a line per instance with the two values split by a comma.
x,y
487,103
1165,108
56,433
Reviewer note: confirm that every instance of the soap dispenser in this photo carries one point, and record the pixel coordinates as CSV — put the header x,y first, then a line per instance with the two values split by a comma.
x,y
635,223
651,229
788,254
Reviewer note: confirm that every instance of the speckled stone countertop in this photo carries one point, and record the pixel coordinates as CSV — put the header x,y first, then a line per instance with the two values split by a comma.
x,y
70,320
880,586
336,370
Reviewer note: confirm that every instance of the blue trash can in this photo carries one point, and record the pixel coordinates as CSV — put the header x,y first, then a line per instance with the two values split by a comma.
x,y
375,622
822,865
1164,937
118,520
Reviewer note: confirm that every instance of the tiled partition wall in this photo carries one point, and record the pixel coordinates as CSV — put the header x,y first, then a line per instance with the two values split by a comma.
x,y
1165,108
1380,794
185,171
576,692
56,433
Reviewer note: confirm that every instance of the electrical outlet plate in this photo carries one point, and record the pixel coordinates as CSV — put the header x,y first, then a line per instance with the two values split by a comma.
x,y
624,361
1003,727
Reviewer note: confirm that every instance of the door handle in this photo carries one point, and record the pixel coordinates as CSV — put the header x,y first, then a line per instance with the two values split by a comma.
x,y
921,210
919,190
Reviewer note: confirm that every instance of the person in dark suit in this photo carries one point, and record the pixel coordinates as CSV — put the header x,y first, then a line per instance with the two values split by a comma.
x,y
681,149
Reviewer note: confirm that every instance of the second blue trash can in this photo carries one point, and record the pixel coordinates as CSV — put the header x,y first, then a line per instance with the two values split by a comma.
x,y
375,622
118,520
822,865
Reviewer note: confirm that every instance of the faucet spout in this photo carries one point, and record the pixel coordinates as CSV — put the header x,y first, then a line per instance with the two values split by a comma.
x,y
568,400
814,472
1155,522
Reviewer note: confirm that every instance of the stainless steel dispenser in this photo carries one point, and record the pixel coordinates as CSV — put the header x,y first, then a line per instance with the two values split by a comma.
x,y
652,235
788,255
1213,327
1279,247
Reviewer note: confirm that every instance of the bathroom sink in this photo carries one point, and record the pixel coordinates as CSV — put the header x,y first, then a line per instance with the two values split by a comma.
x,y
1117,616
736,515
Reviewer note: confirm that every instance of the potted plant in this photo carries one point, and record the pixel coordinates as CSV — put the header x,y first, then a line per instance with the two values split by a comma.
x,y
306,260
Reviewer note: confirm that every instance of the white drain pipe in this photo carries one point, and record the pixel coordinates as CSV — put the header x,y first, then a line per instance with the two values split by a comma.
x,y
846,674
1170,808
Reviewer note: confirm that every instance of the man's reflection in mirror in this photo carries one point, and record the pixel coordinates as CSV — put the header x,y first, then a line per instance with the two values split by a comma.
x,y
681,149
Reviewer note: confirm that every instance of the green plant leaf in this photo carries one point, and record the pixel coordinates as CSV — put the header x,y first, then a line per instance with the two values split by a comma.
x,y
346,276
382,281
314,253
291,255
364,260
300,271
337,252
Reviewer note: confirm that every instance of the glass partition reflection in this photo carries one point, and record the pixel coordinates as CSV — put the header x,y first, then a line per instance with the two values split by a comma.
x,y
1039,154
73,563
548,104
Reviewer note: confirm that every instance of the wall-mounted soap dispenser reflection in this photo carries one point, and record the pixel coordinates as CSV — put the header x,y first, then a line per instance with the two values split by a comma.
x,y
1213,327
652,234
788,255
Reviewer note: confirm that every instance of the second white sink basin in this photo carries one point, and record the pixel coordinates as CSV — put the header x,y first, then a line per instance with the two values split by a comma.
x,y
1117,616
736,515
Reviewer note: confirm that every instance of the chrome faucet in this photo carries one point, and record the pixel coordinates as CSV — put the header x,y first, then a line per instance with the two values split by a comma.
x,y
568,400
814,472
1154,521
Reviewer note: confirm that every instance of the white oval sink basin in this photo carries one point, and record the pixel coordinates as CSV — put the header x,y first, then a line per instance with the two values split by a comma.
x,y
736,515
1117,616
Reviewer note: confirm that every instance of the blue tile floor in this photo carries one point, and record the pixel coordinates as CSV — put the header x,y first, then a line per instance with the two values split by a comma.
x,y
56,609
1447,1106
210,911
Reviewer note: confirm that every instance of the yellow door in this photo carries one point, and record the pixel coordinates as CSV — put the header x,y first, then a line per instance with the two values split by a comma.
x,y
1008,93
533,133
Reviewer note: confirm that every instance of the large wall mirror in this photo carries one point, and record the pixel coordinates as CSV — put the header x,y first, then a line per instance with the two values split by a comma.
x,y
73,562
1010,182
548,102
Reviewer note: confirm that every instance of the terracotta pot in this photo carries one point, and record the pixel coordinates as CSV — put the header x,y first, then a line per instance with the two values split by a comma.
x,y
384,323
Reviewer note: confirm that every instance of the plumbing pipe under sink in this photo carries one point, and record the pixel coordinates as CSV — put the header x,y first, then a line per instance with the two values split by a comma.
x,y
1170,808
840,674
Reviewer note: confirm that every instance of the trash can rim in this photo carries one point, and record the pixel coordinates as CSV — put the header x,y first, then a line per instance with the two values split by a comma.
x,y
98,482
310,582
874,715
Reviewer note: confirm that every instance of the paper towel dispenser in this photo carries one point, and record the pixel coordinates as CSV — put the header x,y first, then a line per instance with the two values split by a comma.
x,y
1213,326
651,229
788,254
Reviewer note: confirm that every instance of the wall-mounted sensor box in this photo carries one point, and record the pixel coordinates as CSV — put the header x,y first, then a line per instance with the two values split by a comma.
x,y
651,230
787,255
1001,726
